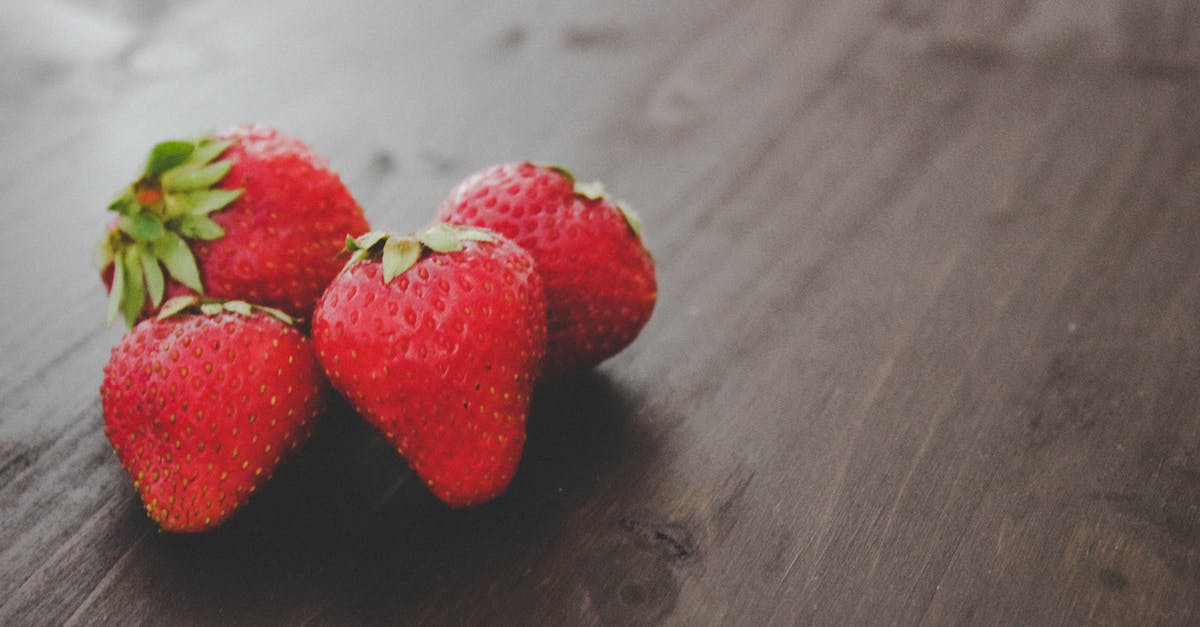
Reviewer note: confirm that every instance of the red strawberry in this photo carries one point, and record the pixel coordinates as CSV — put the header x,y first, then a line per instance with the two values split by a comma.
x,y
598,277
202,407
248,213
436,340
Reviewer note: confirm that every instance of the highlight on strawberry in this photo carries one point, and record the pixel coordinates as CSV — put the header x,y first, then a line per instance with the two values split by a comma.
x,y
436,339
203,402
246,213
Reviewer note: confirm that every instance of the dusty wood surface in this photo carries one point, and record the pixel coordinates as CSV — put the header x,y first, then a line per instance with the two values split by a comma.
x,y
926,351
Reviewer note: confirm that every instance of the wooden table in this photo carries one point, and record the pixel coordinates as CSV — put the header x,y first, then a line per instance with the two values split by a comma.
x,y
927,346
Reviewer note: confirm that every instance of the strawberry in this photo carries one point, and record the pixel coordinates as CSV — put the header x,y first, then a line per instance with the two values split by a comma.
x,y
436,339
598,277
202,404
248,213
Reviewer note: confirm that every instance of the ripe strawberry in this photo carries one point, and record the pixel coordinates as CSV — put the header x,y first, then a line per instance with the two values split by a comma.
x,y
436,339
248,213
202,407
598,277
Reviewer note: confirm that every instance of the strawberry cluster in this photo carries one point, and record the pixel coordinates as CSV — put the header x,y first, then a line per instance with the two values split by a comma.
x,y
225,253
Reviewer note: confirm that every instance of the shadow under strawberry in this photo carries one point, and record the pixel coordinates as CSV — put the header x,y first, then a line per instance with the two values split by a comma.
x,y
347,520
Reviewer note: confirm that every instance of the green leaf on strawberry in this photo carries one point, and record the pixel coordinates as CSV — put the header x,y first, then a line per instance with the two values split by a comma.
x,y
214,306
124,203
199,227
159,213
592,191
178,259
176,305
152,274
167,155
368,240
186,179
631,218
208,149
238,307
142,227
118,287
102,254
567,174
441,238
398,254
135,287
202,202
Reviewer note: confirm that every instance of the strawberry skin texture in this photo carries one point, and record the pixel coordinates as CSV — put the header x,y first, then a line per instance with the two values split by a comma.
x,y
202,409
283,235
598,277
442,360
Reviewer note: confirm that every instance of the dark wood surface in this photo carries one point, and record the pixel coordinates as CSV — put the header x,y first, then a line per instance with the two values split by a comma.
x,y
926,350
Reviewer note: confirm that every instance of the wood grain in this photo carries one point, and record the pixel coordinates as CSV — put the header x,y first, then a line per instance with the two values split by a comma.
x,y
926,349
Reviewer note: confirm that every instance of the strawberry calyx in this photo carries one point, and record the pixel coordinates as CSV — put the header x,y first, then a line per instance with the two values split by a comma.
x,y
168,205
631,218
594,190
399,253
213,306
